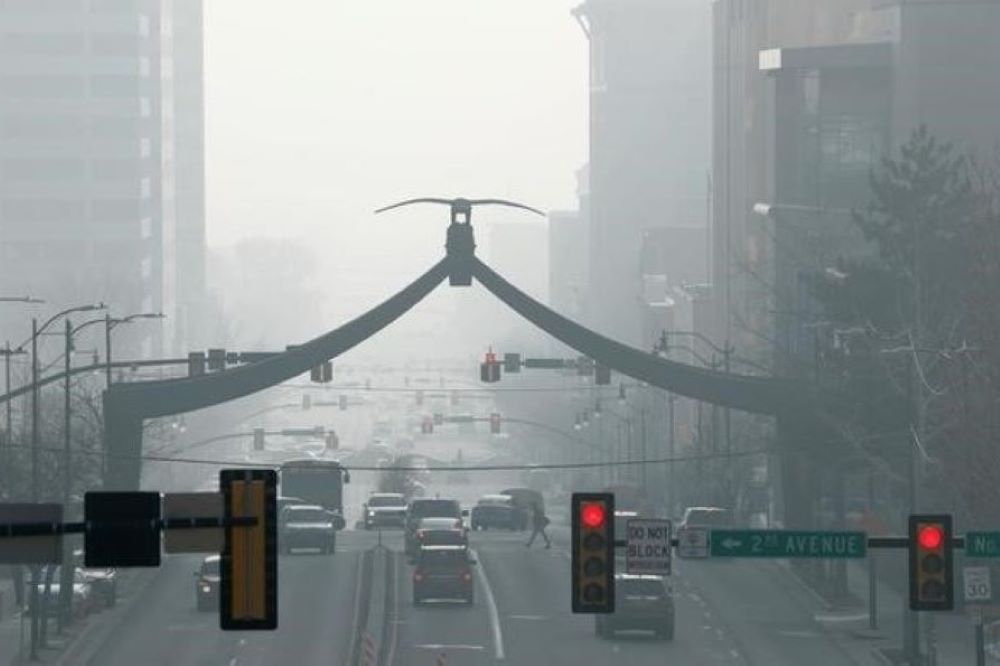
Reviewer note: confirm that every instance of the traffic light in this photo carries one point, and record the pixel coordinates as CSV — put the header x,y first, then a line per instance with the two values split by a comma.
x,y
454,398
930,543
602,375
196,364
332,441
584,366
427,425
494,423
420,398
248,589
216,359
489,370
511,363
322,373
342,402
258,439
593,547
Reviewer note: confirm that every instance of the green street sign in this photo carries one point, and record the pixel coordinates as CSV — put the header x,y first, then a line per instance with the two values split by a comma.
x,y
982,544
787,543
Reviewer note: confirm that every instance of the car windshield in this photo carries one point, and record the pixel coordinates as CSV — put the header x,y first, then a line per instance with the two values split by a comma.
x,y
435,508
378,500
708,518
439,524
302,515
430,557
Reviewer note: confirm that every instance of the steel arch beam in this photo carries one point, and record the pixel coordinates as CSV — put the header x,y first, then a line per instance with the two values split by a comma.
x,y
127,405
762,395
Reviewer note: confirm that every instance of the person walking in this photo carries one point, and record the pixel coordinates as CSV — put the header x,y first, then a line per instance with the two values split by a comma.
x,y
538,522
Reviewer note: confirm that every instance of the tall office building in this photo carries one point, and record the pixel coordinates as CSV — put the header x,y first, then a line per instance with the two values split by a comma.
x,y
650,111
101,159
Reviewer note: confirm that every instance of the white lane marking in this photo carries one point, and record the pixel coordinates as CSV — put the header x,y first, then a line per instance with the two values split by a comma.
x,y
798,633
526,617
391,657
840,618
441,646
491,605
355,629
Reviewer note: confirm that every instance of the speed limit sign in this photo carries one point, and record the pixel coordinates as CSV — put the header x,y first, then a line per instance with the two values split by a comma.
x,y
976,584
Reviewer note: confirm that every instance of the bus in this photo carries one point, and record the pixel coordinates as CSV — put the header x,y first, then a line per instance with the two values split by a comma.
x,y
316,481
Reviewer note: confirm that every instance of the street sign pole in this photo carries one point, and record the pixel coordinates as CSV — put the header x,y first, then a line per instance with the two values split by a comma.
x,y
872,591
980,642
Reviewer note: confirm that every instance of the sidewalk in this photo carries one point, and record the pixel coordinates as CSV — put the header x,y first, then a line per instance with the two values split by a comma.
x,y
63,647
954,632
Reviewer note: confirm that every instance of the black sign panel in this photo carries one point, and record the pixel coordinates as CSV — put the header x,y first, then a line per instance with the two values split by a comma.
x,y
122,529
33,549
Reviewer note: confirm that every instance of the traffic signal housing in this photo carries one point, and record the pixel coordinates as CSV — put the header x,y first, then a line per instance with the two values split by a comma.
x,y
258,439
931,563
489,370
248,587
593,549
494,423
322,373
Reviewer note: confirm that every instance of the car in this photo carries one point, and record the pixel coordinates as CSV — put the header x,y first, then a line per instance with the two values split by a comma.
x,y
206,584
103,581
706,516
524,500
441,532
493,511
385,510
443,572
421,508
83,601
307,526
643,603
283,502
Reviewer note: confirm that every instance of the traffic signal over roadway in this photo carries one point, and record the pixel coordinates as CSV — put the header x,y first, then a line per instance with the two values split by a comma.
x,y
931,563
593,552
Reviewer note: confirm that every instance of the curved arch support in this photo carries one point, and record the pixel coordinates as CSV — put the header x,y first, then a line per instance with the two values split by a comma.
x,y
763,395
127,405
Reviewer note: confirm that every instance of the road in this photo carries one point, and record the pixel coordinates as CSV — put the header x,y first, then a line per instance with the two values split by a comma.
x,y
727,613
744,613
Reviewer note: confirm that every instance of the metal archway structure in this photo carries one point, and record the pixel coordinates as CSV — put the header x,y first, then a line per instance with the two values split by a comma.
x,y
126,406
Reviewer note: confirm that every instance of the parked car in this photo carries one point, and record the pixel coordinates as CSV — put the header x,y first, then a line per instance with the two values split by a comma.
x,y
497,511
642,603
83,601
103,581
206,586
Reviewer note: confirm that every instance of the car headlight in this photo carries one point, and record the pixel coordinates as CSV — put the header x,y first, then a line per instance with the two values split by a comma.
x,y
371,514
206,588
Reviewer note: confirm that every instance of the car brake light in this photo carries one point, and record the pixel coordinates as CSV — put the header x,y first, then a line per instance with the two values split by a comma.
x,y
417,576
467,576
420,534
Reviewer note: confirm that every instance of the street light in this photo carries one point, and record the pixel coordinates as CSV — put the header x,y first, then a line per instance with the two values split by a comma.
x,y
37,330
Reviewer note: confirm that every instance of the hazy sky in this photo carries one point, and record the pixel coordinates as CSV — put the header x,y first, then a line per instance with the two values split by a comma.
x,y
319,111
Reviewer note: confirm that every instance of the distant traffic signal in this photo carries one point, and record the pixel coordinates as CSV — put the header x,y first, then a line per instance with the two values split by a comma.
x,y
420,398
494,423
248,589
196,364
602,375
593,549
306,401
489,370
332,441
931,575
258,439
322,373
427,425
512,363
216,359
342,402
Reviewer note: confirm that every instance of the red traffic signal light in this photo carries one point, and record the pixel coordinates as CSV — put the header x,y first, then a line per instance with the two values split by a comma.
x,y
593,553
593,515
931,563
930,537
